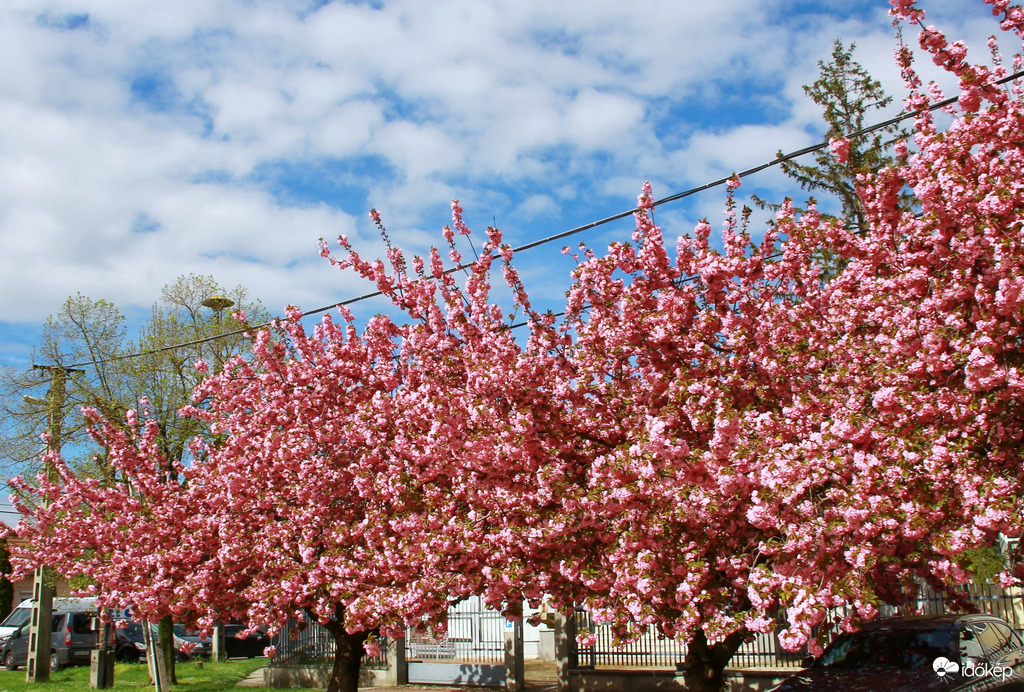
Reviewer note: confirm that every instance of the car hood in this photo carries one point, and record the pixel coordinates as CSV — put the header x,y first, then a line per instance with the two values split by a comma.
x,y
865,680
192,638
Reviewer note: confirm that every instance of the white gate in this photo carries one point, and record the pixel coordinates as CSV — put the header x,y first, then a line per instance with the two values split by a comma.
x,y
471,653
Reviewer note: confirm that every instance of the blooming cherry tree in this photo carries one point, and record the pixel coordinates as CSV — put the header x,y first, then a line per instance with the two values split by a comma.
x,y
774,443
709,441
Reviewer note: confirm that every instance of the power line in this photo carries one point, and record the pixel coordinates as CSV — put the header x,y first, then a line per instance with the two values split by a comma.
x,y
585,227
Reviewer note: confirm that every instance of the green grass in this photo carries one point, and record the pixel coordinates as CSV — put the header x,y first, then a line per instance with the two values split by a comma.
x,y
212,677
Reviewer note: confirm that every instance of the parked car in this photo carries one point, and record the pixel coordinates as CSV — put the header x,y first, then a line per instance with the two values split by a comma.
x,y
129,643
73,633
918,653
190,645
18,618
249,647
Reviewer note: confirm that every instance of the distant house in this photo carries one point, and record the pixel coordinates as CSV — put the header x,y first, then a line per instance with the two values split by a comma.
x,y
21,590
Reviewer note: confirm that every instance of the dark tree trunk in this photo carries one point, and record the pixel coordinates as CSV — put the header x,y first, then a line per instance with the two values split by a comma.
x,y
348,656
167,646
705,665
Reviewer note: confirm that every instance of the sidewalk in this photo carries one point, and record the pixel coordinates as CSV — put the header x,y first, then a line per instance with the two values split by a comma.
x,y
255,679
540,677
531,686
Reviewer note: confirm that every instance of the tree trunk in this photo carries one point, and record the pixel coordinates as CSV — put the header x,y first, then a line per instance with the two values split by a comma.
x,y
705,665
348,655
167,646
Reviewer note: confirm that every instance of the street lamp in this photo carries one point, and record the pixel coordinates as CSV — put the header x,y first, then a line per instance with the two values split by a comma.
x,y
218,303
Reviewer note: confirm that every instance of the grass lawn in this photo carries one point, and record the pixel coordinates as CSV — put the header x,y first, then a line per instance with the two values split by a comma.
x,y
212,677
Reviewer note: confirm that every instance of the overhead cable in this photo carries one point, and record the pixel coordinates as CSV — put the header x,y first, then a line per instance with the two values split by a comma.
x,y
585,227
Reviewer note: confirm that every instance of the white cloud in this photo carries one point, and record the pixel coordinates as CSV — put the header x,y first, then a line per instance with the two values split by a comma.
x,y
142,141
535,205
713,155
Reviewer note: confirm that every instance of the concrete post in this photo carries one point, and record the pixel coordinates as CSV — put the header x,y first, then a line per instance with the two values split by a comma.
x,y
218,647
101,670
40,634
398,668
515,670
101,661
40,627
155,659
565,650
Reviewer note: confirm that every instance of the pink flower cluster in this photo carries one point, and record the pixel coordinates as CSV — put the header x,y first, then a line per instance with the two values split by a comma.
x,y
708,439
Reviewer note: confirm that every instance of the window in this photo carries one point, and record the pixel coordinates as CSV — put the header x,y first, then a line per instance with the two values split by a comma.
x,y
19,617
970,641
908,649
81,624
995,639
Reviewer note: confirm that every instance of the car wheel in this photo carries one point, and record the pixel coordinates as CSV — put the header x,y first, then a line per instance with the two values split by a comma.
x,y
54,662
9,662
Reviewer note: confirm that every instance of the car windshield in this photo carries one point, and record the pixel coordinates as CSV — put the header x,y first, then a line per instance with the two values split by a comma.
x,y
182,632
18,618
909,648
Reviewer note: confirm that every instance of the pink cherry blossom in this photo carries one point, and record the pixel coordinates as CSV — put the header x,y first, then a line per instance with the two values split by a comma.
x,y
841,149
714,437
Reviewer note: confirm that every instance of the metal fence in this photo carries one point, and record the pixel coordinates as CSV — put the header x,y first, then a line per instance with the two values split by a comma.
x,y
309,643
988,598
764,650
475,634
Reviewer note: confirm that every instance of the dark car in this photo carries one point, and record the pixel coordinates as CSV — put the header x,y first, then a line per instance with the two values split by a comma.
x,y
918,653
190,645
129,643
248,647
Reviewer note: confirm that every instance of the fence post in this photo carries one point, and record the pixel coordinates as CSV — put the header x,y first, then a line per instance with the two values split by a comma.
x,y
565,649
514,665
155,658
218,647
398,668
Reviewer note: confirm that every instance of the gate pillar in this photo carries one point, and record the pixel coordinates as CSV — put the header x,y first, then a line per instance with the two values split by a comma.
x,y
515,671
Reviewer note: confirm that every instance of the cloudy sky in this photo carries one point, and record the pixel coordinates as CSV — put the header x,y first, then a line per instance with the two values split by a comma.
x,y
141,141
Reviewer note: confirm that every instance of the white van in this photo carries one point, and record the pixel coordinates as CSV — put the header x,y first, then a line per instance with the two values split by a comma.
x,y
74,635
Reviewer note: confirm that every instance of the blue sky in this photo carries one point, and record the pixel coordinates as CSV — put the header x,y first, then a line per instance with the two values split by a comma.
x,y
143,141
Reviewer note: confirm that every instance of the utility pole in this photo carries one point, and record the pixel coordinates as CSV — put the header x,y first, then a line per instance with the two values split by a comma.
x,y
218,303
41,624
